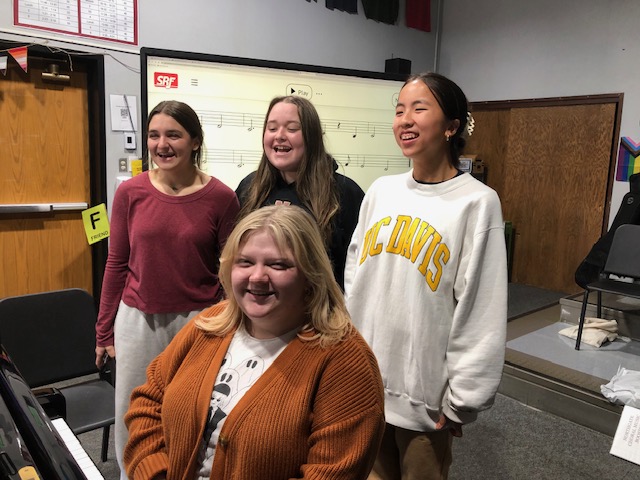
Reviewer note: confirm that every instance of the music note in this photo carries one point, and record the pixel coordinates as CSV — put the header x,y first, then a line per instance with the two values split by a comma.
x,y
220,123
374,132
387,166
356,133
362,164
251,125
339,125
348,160
241,162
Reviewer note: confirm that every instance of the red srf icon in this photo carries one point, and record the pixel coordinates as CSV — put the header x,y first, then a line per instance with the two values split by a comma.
x,y
165,80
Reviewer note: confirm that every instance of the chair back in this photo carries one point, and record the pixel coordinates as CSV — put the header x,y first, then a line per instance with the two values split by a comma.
x,y
50,336
624,257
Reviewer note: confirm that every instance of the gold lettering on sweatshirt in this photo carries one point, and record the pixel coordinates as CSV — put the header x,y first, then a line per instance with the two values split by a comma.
x,y
440,259
371,246
400,232
410,238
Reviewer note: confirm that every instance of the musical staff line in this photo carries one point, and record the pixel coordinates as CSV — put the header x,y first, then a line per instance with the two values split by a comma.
x,y
372,161
231,156
230,119
240,158
250,121
355,128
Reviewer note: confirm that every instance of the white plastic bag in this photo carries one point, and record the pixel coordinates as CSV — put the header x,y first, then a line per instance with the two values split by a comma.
x,y
624,388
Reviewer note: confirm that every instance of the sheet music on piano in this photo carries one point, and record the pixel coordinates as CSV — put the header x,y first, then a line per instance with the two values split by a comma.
x,y
41,447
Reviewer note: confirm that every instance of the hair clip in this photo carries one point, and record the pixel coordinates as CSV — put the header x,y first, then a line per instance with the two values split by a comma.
x,y
471,124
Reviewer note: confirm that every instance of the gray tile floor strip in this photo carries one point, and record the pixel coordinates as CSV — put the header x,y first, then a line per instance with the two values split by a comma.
x,y
602,362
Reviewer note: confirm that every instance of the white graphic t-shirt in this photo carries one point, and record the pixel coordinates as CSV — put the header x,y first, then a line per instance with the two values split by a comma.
x,y
246,360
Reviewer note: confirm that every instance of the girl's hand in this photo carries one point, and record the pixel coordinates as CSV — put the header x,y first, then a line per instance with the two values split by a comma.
x,y
446,423
103,354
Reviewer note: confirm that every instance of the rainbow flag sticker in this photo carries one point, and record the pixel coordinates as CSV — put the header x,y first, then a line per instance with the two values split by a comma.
x,y
628,161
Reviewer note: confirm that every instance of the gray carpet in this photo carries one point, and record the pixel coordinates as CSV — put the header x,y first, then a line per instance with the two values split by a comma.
x,y
525,299
513,441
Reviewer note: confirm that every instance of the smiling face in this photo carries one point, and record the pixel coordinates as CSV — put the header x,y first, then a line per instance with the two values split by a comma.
x,y
268,286
170,145
420,126
283,142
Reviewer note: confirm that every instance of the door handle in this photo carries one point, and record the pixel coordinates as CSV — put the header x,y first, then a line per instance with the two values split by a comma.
x,y
42,207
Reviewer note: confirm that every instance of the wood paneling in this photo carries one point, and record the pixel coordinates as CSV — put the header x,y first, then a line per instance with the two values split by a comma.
x,y
45,139
551,167
43,252
490,142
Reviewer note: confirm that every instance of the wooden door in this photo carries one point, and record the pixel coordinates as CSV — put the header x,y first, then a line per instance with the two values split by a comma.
x,y
46,160
552,167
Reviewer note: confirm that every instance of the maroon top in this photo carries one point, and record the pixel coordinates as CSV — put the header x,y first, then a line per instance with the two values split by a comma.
x,y
164,250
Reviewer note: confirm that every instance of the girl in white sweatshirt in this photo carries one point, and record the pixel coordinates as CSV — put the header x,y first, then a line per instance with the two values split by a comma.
x,y
426,284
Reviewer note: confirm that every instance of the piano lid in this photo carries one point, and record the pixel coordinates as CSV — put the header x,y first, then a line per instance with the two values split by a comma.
x,y
14,454
41,440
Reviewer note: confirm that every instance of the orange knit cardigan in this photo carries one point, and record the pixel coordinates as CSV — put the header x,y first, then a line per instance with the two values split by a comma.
x,y
315,413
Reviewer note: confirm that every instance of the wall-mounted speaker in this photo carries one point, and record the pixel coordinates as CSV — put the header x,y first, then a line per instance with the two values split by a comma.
x,y
397,65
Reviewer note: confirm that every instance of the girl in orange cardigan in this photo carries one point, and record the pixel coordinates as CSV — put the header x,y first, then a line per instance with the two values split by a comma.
x,y
274,383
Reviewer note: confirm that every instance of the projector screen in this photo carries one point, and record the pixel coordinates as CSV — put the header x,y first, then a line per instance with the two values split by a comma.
x,y
231,96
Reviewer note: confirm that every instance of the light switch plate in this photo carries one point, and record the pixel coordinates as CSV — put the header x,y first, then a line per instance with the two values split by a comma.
x,y
129,140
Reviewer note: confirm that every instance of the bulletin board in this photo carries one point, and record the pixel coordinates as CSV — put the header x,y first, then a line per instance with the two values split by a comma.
x,y
231,95
115,20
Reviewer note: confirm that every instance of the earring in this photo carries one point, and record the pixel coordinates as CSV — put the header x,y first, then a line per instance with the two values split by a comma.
x,y
448,136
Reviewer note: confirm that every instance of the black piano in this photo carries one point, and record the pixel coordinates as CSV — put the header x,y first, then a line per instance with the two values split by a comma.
x,y
32,446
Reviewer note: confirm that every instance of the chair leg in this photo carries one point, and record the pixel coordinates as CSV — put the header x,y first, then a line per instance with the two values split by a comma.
x,y
105,442
599,305
583,311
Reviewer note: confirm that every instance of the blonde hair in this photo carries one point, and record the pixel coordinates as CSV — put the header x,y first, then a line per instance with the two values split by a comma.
x,y
291,228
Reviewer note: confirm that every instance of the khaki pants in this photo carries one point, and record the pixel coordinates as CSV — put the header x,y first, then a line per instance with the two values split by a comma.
x,y
409,455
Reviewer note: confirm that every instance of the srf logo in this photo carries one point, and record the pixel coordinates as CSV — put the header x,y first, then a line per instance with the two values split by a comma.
x,y
165,80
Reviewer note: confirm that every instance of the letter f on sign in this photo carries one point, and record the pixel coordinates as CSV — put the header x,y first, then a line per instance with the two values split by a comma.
x,y
96,223
95,217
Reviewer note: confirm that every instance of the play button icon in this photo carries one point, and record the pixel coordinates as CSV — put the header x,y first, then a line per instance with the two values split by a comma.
x,y
300,90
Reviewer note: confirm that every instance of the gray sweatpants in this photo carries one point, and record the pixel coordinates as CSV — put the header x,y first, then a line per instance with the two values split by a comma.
x,y
138,338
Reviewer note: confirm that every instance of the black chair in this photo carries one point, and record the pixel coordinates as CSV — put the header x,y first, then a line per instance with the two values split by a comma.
x,y
621,272
50,337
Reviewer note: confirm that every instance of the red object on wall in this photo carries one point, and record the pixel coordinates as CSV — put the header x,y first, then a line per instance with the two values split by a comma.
x,y
20,56
419,14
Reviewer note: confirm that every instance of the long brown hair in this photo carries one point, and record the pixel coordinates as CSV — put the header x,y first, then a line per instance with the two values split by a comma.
x,y
315,183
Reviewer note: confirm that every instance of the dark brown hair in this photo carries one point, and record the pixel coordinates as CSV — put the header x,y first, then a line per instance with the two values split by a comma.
x,y
454,105
185,116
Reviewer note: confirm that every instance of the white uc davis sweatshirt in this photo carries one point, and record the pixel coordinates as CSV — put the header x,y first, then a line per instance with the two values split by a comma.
x,y
426,285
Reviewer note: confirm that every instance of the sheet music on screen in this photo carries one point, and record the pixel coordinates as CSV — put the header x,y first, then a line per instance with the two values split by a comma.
x,y
232,95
